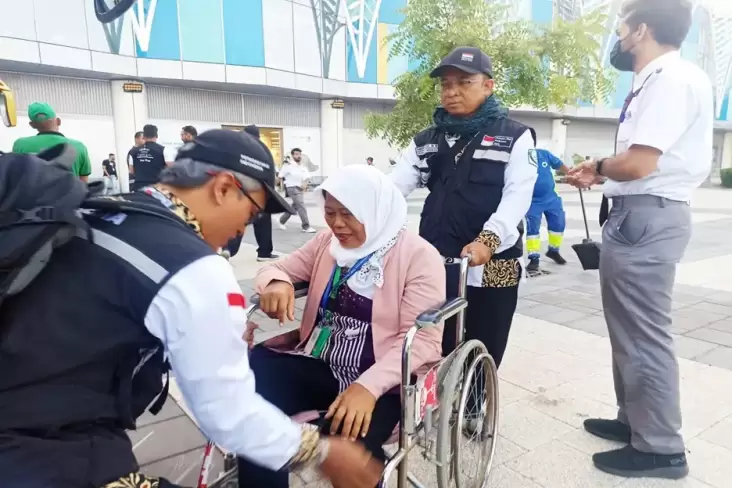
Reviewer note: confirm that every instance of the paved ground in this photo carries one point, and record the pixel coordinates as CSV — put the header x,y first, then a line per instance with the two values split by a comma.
x,y
557,368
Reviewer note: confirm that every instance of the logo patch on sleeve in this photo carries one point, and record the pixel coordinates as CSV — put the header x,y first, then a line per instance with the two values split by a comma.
x,y
236,300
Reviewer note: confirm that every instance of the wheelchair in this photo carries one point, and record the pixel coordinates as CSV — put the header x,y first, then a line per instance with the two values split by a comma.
x,y
437,416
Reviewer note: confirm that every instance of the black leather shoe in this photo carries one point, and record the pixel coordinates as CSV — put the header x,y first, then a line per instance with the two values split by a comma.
x,y
629,462
554,255
533,265
612,430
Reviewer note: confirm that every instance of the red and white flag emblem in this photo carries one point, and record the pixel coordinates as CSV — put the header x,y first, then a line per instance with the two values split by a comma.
x,y
488,141
236,300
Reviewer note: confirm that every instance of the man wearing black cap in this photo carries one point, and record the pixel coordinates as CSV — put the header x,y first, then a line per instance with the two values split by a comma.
x,y
148,293
262,226
480,168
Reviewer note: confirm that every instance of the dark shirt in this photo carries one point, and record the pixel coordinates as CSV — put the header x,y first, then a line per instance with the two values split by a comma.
x,y
110,167
148,161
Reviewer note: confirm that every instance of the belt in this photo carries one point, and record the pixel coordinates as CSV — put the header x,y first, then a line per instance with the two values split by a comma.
x,y
644,201
629,201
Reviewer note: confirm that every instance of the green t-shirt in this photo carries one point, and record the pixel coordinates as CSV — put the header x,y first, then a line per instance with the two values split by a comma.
x,y
44,140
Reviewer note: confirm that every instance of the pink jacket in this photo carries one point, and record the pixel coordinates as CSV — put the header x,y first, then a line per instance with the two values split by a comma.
x,y
414,281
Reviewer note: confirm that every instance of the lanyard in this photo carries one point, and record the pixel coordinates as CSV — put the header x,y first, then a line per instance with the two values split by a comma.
x,y
634,94
336,280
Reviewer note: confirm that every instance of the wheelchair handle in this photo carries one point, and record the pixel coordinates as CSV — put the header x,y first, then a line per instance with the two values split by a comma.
x,y
301,290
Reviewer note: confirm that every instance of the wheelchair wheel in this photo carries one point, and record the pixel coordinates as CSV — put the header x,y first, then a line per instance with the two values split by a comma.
x,y
467,419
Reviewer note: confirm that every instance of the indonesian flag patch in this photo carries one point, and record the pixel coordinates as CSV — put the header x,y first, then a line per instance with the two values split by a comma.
x,y
236,300
488,141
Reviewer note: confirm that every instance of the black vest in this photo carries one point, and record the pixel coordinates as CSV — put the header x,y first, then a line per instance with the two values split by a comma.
x,y
464,194
148,161
74,349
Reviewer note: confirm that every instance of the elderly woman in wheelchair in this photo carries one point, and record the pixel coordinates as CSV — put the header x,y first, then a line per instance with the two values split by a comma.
x,y
369,279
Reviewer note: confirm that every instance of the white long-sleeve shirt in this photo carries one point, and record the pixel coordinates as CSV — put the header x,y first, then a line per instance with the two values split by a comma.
x,y
518,188
294,174
200,318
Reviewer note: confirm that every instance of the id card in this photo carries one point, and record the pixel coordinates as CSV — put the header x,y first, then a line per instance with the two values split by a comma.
x,y
317,342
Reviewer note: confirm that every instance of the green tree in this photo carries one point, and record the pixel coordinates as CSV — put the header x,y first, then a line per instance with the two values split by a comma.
x,y
557,64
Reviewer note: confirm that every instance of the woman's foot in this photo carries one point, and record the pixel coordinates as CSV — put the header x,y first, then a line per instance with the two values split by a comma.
x,y
309,230
282,226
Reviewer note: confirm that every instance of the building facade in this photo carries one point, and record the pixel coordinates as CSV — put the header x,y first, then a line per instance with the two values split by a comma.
x,y
279,64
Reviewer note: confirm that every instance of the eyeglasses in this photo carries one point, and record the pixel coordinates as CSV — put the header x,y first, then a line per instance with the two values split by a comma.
x,y
255,216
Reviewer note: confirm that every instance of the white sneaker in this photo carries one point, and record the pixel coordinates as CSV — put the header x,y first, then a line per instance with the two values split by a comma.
x,y
282,226
309,230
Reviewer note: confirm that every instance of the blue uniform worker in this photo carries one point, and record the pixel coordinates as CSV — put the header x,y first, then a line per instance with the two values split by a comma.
x,y
545,201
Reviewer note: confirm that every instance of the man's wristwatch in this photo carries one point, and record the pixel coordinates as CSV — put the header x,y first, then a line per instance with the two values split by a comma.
x,y
598,166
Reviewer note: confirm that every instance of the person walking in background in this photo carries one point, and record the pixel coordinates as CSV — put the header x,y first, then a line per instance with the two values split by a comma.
x,y
295,179
43,119
188,133
545,202
148,160
109,167
663,153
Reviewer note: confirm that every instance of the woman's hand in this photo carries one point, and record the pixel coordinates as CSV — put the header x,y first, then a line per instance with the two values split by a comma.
x,y
353,408
249,334
278,301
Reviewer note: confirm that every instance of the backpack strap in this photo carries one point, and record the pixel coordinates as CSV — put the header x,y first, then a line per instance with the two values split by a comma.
x,y
41,215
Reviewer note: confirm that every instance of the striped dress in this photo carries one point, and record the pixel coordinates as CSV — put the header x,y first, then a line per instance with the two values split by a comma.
x,y
350,349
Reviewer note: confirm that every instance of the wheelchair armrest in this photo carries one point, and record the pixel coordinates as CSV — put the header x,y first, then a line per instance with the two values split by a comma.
x,y
435,316
301,290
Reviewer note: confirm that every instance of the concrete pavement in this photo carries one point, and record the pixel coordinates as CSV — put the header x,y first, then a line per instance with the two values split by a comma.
x,y
557,370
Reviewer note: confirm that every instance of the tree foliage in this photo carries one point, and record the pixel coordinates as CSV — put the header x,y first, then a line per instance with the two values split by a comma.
x,y
541,66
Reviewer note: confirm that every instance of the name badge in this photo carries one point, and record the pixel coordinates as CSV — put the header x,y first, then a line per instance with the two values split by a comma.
x,y
317,342
504,142
426,149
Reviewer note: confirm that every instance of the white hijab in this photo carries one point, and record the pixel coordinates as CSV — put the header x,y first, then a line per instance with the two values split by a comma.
x,y
378,204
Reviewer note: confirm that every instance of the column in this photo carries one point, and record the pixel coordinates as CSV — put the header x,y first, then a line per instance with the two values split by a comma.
x,y
130,115
559,140
727,151
331,137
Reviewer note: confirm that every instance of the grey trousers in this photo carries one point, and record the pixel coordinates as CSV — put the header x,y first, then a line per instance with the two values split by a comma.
x,y
298,203
642,242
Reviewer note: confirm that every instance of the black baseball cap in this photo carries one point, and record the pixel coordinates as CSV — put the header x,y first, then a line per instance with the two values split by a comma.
x,y
468,59
238,151
253,131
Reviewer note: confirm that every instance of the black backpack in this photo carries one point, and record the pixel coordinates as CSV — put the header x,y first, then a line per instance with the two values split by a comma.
x,y
42,207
